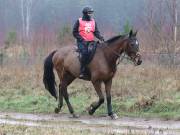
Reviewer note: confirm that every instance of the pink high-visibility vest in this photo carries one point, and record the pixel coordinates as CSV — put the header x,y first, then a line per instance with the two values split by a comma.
x,y
86,29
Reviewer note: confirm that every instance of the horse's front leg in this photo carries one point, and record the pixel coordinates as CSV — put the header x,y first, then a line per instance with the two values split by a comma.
x,y
108,85
95,105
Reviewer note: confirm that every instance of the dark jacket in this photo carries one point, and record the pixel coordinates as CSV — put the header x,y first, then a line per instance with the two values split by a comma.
x,y
79,37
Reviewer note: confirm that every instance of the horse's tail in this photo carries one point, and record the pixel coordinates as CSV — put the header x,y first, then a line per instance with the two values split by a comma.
x,y
48,77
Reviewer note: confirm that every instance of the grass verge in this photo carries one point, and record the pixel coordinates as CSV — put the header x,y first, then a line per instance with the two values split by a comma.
x,y
151,91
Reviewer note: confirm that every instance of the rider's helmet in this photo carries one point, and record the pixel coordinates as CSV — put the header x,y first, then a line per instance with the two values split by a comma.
x,y
87,10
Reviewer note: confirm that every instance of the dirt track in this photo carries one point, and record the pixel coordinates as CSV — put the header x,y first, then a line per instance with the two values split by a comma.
x,y
93,123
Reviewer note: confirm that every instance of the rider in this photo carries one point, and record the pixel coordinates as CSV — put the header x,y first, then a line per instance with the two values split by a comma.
x,y
84,31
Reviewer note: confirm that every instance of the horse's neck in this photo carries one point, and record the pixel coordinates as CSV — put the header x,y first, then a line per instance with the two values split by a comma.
x,y
112,52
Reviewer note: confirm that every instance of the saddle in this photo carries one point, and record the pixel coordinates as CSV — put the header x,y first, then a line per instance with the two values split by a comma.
x,y
91,51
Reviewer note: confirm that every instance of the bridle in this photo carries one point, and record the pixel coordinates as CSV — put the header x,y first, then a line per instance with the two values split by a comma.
x,y
122,56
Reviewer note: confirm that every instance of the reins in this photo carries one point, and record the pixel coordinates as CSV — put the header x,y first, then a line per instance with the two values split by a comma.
x,y
120,56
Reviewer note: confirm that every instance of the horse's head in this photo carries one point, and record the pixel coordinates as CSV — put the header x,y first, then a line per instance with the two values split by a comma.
x,y
132,48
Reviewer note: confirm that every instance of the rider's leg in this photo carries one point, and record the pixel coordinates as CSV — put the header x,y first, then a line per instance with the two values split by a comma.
x,y
84,54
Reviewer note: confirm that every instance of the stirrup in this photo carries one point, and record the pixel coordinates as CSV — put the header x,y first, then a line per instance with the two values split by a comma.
x,y
81,75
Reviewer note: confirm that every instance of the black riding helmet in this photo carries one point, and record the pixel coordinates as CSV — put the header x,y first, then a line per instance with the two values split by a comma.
x,y
87,10
87,13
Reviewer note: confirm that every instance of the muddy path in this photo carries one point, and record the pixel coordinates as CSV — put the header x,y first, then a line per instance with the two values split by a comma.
x,y
94,123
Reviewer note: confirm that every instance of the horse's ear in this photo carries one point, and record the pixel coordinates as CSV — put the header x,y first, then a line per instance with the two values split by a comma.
x,y
135,33
130,33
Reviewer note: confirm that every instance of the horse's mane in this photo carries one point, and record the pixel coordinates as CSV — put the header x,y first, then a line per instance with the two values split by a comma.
x,y
113,39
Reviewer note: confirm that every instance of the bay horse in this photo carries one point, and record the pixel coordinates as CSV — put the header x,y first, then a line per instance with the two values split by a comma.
x,y
102,69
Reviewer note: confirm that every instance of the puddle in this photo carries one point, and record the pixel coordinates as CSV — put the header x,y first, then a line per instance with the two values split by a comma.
x,y
96,124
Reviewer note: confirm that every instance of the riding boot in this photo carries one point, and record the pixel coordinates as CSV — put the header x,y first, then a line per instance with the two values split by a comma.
x,y
82,70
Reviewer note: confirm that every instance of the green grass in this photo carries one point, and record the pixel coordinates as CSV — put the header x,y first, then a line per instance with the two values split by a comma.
x,y
27,104
46,104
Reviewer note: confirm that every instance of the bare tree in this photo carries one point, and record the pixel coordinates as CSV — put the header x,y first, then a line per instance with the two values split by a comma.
x,y
173,6
23,18
26,8
173,11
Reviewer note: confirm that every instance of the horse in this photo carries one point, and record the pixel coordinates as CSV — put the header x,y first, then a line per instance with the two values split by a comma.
x,y
102,69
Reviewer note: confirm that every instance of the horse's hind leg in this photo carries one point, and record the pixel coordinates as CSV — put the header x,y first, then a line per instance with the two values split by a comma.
x,y
66,97
95,105
60,98
67,79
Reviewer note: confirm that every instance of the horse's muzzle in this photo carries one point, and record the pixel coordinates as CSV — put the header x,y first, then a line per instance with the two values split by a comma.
x,y
138,60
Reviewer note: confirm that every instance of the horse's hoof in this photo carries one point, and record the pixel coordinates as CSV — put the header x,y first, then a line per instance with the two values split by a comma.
x,y
57,110
75,116
114,116
90,110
